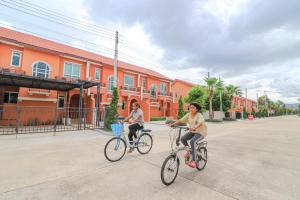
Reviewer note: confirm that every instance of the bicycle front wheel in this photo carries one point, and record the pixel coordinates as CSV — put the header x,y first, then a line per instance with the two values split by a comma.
x,y
201,158
169,170
144,143
115,149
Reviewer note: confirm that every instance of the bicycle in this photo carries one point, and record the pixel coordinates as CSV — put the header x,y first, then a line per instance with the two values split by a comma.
x,y
118,144
170,167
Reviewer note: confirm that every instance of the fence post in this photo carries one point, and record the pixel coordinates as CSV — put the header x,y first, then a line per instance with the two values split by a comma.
x,y
55,121
17,121
84,118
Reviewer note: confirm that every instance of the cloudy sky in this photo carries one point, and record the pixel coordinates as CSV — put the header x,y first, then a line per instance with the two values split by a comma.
x,y
251,43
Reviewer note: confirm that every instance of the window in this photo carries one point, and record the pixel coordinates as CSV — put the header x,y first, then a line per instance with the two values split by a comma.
x,y
128,81
153,91
16,58
72,70
61,102
10,97
97,74
41,69
110,83
163,88
144,83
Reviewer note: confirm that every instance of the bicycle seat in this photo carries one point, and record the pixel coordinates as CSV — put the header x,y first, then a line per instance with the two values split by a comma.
x,y
146,130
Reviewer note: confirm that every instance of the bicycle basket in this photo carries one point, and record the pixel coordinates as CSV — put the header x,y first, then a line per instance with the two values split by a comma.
x,y
117,129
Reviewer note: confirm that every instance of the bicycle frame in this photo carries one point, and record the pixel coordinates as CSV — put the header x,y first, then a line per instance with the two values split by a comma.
x,y
123,136
178,148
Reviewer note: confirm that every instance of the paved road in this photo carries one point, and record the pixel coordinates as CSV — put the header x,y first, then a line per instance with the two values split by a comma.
x,y
247,160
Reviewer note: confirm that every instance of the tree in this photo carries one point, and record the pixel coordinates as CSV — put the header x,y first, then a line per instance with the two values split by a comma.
x,y
197,94
211,86
220,92
113,109
226,101
181,112
233,90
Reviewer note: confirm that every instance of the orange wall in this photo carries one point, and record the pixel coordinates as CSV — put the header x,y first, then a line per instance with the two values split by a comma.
x,y
56,63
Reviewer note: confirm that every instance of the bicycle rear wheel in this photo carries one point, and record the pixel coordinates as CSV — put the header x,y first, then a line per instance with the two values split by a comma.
x,y
115,149
169,170
144,143
201,158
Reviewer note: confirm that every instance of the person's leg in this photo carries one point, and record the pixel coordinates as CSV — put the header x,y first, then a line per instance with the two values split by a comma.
x,y
195,138
186,137
136,128
132,132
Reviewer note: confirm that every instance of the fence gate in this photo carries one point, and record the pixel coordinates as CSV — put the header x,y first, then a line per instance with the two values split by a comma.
x,y
33,119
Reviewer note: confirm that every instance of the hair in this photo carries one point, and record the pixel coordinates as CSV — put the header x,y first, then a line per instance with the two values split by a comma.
x,y
198,107
136,104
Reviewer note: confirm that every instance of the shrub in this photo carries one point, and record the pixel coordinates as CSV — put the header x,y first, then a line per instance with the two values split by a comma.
x,y
158,118
112,110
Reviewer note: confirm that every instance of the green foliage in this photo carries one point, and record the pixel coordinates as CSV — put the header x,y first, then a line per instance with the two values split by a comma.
x,y
226,101
212,83
197,94
158,118
113,110
233,90
181,112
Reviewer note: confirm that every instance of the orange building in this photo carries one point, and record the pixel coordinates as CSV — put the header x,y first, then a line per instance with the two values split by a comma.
x,y
180,89
29,55
239,105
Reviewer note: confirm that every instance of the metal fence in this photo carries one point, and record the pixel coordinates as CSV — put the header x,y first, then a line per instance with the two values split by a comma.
x,y
21,120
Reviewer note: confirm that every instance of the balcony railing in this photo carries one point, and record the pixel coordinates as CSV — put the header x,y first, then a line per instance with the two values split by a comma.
x,y
146,91
165,94
128,88
13,71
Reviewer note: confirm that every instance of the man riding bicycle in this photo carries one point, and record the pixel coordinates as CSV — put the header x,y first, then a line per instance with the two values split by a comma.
x,y
136,121
197,130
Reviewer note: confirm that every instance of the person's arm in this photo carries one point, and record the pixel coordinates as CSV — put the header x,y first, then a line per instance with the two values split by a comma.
x,y
128,118
181,121
200,124
138,118
197,126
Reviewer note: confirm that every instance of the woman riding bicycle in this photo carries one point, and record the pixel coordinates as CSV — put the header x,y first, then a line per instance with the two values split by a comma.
x,y
136,121
197,130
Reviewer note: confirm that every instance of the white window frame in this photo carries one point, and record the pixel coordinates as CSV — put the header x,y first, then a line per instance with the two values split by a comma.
x,y
12,55
144,86
42,62
9,92
61,96
112,83
163,83
97,70
155,91
126,85
72,76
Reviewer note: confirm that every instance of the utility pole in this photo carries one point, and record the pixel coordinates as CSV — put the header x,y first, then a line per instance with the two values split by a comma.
x,y
221,103
256,101
246,104
116,60
266,102
208,74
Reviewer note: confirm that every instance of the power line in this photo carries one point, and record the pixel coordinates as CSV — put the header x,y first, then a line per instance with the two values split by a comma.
x,y
109,30
49,18
60,33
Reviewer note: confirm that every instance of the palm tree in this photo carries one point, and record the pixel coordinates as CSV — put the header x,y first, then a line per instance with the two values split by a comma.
x,y
233,90
220,89
211,86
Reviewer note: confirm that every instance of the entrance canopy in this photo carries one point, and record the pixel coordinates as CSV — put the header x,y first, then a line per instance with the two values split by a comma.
x,y
8,78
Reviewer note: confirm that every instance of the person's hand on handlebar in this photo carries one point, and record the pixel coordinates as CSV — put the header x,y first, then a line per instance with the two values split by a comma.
x,y
172,124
